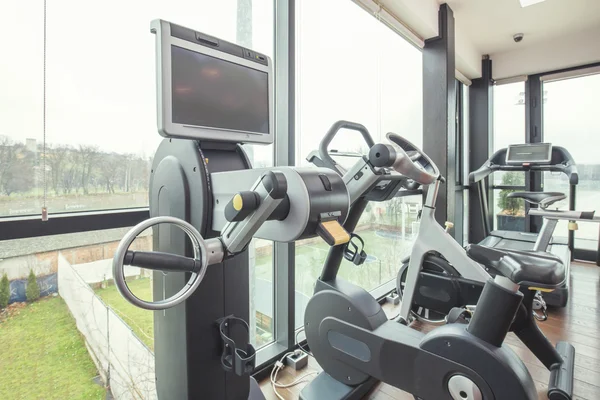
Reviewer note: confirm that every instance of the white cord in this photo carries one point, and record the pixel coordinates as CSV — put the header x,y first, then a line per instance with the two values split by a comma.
x,y
297,381
280,366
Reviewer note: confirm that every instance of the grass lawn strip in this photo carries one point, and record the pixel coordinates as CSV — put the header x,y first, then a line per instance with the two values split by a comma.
x,y
43,355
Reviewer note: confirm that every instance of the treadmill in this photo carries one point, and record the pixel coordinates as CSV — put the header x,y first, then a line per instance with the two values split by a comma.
x,y
530,157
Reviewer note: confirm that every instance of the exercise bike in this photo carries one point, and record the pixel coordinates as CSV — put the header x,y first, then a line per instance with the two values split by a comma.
x,y
440,287
357,345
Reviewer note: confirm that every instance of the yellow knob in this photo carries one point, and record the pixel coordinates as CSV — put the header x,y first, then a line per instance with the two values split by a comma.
x,y
449,225
238,203
573,226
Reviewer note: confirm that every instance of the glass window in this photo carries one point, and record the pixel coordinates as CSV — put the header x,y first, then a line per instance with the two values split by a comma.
x,y
509,114
509,128
100,101
262,290
509,213
366,73
100,139
570,120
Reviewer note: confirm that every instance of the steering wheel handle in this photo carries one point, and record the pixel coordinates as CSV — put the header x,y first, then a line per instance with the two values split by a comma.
x,y
406,156
161,261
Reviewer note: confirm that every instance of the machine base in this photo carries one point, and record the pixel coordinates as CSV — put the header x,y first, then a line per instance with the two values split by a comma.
x,y
325,387
560,386
255,392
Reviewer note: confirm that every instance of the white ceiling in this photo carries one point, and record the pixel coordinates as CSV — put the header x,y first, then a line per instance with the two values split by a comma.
x,y
491,24
558,33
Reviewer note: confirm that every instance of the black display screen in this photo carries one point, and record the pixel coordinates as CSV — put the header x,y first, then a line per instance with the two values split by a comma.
x,y
213,93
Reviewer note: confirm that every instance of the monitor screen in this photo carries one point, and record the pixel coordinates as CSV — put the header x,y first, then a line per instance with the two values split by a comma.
x,y
213,93
533,153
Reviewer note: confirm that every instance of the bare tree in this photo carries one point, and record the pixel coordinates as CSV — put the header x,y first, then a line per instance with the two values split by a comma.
x,y
71,173
16,167
7,157
110,166
88,156
138,174
56,159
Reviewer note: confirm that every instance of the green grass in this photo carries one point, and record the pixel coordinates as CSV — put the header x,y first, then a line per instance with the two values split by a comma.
x,y
140,320
43,356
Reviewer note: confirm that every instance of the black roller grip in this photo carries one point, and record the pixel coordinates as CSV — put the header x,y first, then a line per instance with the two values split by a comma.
x,y
275,183
495,312
587,214
159,261
382,155
282,210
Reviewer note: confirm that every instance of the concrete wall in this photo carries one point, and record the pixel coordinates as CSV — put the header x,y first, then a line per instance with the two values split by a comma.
x,y
123,361
46,263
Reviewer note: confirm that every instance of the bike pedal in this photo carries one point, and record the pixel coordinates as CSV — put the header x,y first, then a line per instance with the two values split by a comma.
x,y
458,315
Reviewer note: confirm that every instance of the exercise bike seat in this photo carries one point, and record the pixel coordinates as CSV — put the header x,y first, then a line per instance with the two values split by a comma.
x,y
526,268
541,199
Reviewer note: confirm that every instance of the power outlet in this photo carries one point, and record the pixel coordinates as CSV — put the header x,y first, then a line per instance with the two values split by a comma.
x,y
298,360
393,298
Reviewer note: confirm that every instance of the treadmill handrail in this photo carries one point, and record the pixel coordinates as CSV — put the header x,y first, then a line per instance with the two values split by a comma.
x,y
584,216
567,167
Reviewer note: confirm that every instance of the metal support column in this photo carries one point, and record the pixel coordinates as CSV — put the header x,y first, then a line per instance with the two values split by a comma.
x,y
439,105
533,134
480,145
284,260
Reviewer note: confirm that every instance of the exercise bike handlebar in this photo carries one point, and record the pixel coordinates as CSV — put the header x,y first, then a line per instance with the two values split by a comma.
x,y
335,128
403,159
159,261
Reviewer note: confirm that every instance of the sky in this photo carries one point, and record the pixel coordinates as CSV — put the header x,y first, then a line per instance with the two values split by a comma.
x,y
100,66
101,76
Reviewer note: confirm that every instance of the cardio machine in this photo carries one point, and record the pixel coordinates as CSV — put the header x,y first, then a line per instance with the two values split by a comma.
x,y
523,158
357,345
439,292
214,96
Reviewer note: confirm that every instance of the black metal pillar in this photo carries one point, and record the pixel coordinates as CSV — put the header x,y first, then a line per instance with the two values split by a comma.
x,y
459,197
480,144
533,134
439,109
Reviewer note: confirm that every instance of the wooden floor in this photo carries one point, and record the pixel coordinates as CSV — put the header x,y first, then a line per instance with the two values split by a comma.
x,y
578,323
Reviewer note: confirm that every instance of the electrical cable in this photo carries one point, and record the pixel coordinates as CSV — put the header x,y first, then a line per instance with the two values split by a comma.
x,y
302,347
279,366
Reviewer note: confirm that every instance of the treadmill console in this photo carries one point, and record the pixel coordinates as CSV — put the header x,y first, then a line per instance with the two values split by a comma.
x,y
529,153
